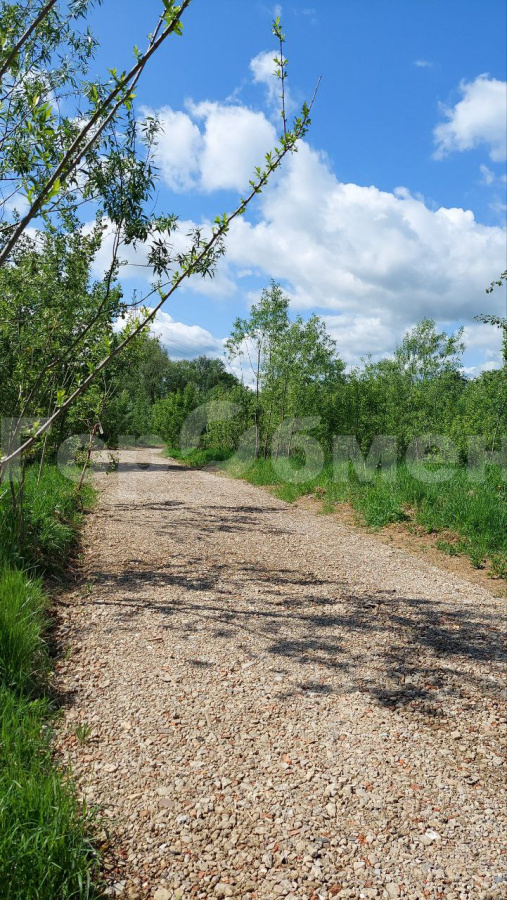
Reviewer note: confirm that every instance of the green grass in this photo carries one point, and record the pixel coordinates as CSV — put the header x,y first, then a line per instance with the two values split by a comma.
x,y
52,515
475,512
45,847
45,851
23,651
197,459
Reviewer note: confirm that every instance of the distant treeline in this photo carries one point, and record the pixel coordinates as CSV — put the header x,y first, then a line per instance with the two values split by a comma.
x,y
284,368
292,369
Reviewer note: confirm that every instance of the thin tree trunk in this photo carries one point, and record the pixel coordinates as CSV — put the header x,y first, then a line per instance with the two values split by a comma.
x,y
42,459
88,457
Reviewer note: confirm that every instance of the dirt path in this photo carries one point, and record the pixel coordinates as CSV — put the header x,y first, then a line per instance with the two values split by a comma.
x,y
280,706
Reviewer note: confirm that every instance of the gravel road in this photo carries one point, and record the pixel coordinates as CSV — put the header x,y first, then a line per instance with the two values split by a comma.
x,y
268,704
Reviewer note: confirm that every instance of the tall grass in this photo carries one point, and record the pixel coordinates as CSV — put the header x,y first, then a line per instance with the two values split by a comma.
x,y
45,850
52,511
197,459
23,651
473,515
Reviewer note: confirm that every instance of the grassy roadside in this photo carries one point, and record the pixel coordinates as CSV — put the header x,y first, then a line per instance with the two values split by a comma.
x,y
51,520
45,847
470,516
197,459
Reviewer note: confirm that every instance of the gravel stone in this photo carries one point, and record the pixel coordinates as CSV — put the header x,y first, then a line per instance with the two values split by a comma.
x,y
278,704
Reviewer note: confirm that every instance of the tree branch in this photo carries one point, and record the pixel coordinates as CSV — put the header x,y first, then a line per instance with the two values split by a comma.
x,y
26,37
288,144
76,152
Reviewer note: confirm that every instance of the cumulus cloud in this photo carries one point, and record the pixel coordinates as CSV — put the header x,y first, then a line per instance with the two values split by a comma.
x,y
483,342
185,341
423,64
361,251
357,336
180,148
373,262
15,202
134,259
212,146
235,141
478,118
134,262
262,67
483,337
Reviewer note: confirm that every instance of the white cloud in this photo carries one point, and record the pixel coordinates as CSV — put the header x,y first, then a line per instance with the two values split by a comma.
x,y
134,262
235,141
488,177
185,341
357,336
360,251
134,259
478,118
374,261
423,64
499,207
212,146
483,349
181,144
15,202
481,336
263,67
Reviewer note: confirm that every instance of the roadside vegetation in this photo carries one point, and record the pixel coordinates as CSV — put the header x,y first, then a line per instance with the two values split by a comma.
x,y
466,518
46,850
79,369
471,518
299,398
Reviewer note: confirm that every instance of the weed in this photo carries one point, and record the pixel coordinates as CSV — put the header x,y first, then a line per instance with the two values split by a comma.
x,y
44,849
83,732
499,566
52,514
448,548
23,657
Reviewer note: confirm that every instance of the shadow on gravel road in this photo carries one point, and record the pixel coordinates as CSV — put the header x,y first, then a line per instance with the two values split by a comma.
x,y
318,623
405,652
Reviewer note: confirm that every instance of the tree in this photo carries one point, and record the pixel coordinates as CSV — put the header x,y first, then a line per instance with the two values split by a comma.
x,y
97,153
253,341
204,373
425,353
497,321
53,320
292,364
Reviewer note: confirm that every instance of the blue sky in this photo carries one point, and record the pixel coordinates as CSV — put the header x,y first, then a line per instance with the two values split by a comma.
x,y
393,209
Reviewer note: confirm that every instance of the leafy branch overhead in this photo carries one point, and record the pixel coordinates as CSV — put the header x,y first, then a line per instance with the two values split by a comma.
x,y
97,154
498,321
